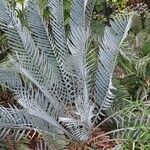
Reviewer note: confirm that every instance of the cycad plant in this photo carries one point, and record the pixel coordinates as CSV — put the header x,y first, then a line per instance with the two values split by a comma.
x,y
61,82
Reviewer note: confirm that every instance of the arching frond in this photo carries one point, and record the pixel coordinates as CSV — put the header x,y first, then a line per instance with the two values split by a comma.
x,y
29,61
15,122
41,37
78,41
109,48
58,29
30,98
19,123
78,27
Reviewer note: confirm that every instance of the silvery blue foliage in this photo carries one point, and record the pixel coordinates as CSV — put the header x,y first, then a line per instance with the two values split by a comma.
x,y
50,72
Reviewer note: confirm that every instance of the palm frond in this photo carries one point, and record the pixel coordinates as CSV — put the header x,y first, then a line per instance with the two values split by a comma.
x,y
31,98
109,48
39,30
27,64
78,41
28,59
14,122
78,35
58,30
48,47
91,69
78,27
19,123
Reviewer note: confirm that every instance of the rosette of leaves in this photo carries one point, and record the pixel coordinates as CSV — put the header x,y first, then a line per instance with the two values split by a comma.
x,y
63,86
